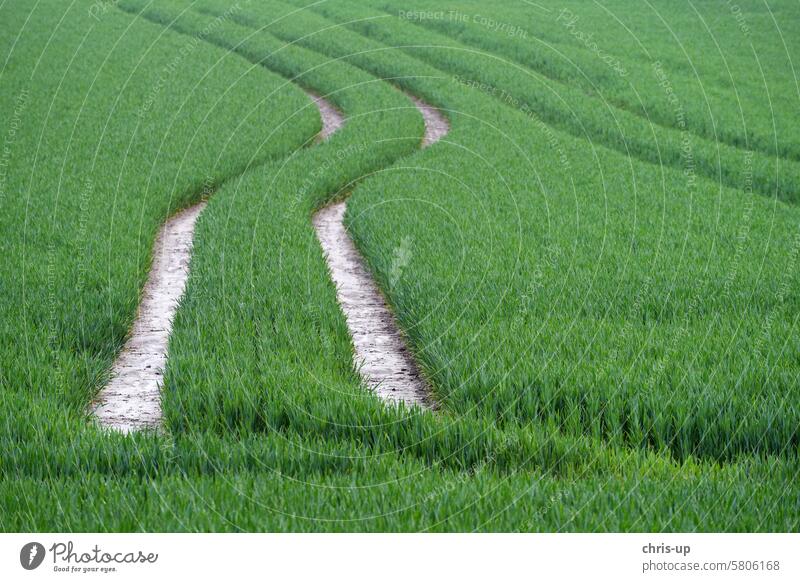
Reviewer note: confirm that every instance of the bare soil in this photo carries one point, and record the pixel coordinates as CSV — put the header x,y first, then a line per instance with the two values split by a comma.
x,y
383,359
131,400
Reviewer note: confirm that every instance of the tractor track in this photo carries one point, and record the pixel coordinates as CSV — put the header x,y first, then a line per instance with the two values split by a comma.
x,y
382,357
131,400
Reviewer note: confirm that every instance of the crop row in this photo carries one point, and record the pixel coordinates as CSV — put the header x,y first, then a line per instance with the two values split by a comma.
x,y
745,108
545,283
590,118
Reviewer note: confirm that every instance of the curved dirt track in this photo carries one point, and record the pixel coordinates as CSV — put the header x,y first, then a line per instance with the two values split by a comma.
x,y
131,400
384,361
332,118
436,125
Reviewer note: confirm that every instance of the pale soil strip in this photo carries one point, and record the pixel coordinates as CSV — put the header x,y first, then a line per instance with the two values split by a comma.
x,y
131,400
436,125
381,353
332,118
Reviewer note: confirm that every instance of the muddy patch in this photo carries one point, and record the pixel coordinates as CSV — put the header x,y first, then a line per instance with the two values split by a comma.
x,y
131,401
382,356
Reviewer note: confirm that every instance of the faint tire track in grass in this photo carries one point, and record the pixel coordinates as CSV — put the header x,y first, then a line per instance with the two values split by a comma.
x,y
131,400
384,360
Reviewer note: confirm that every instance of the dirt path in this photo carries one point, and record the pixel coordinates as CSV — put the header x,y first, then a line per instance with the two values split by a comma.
x,y
131,400
436,125
384,360
332,118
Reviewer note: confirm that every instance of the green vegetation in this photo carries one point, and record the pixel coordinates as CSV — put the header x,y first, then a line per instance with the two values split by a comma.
x,y
612,341
670,100
108,132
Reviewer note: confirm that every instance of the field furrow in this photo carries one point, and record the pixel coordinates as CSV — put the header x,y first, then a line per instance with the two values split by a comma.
x,y
132,398
617,78
576,358
591,118
382,357
591,285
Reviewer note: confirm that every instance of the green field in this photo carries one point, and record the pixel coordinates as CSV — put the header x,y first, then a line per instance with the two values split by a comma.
x,y
599,279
